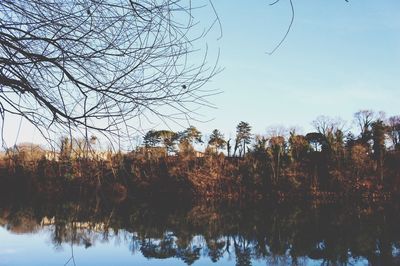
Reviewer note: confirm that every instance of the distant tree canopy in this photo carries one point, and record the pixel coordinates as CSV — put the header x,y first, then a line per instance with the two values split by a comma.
x,y
217,140
98,65
376,135
191,135
169,139
329,159
243,137
394,130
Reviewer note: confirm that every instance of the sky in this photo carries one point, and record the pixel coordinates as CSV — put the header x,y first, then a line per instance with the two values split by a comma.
x,y
338,58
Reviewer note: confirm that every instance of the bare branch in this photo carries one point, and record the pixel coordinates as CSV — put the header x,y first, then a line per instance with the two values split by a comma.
x,y
288,29
77,65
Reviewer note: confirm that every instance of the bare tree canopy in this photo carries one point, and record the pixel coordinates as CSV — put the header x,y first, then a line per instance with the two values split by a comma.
x,y
78,65
327,125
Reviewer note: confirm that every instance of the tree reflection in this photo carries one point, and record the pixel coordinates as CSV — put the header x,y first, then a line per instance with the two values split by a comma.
x,y
286,234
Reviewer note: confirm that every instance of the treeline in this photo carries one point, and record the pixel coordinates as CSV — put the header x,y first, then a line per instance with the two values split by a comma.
x,y
330,162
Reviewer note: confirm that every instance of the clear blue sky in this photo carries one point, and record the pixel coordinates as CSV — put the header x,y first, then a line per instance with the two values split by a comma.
x,y
338,58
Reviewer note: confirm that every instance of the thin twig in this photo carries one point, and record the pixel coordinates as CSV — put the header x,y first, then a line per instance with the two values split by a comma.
x,y
288,29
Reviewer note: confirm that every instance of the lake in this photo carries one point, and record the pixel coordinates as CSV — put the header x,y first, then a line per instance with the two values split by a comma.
x,y
93,232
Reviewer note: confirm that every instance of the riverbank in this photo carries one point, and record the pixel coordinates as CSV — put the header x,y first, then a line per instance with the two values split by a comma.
x,y
212,178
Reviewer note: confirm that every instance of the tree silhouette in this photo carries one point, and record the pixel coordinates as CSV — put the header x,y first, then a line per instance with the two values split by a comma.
x,y
168,139
394,130
151,139
191,135
364,119
316,140
99,65
378,136
243,137
217,140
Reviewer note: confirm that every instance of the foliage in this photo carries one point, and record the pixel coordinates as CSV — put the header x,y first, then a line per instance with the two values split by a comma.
x,y
243,137
217,140
329,163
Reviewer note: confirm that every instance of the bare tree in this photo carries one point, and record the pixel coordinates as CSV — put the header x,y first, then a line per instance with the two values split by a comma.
x,y
327,125
79,65
364,119
393,124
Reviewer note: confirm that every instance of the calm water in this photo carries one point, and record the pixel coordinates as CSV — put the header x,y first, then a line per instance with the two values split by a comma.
x,y
91,232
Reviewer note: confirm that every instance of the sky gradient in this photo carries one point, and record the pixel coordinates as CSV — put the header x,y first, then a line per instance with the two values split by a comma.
x,y
338,58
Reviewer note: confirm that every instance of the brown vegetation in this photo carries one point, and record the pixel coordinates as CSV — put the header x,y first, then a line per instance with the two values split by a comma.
x,y
323,164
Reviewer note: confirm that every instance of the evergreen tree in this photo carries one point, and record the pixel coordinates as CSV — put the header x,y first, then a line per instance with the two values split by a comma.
x,y
243,137
217,140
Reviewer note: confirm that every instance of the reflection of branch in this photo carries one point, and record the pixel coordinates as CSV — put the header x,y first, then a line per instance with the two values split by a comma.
x,y
288,29
72,256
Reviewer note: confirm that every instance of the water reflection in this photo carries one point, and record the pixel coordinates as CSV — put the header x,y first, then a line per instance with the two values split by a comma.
x,y
244,234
